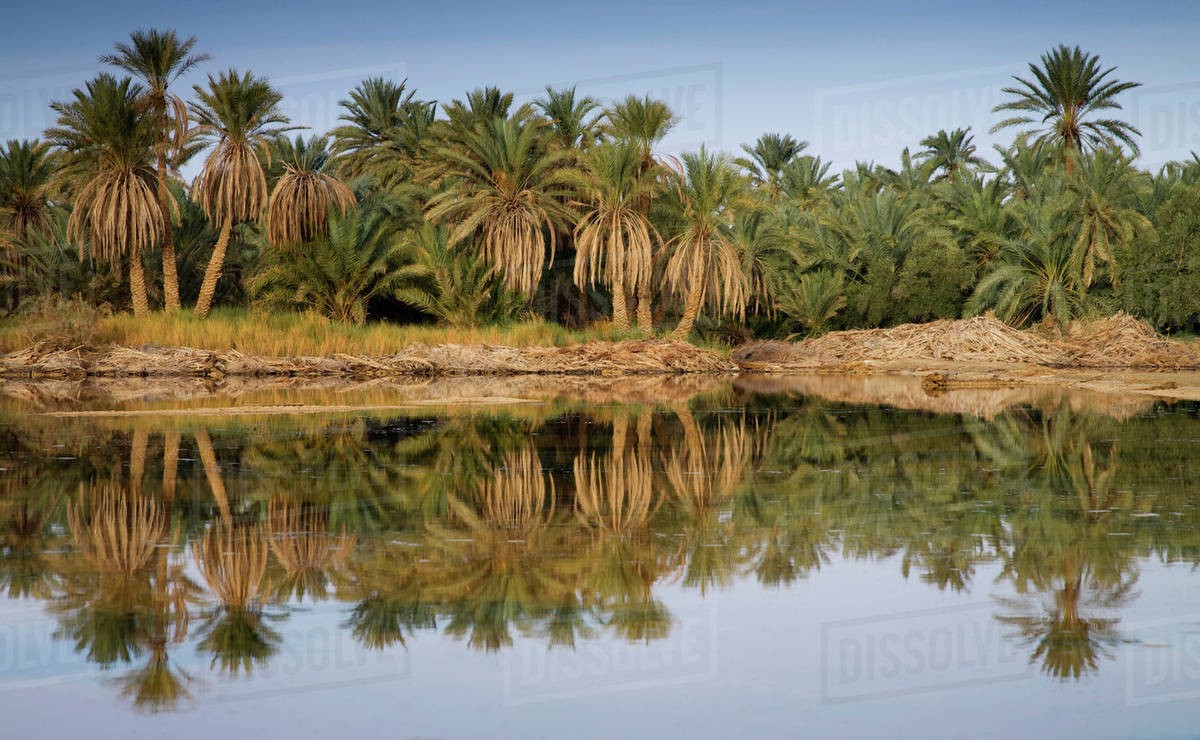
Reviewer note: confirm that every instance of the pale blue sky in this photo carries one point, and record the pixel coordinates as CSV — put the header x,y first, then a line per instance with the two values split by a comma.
x,y
859,80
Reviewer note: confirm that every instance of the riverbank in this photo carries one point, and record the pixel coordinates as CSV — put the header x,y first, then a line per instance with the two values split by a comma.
x,y
1114,355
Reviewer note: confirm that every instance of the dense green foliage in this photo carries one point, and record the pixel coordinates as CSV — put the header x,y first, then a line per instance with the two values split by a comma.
x,y
559,208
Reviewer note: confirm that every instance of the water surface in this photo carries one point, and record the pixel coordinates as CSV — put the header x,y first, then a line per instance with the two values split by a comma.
x,y
652,560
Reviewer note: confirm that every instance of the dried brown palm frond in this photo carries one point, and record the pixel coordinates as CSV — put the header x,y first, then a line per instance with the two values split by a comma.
x,y
233,562
116,213
303,195
515,497
115,532
232,185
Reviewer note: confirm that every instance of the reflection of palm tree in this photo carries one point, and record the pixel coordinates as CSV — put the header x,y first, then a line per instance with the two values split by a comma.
x,y
702,478
614,492
304,546
499,563
1069,644
233,562
104,601
1062,547
24,571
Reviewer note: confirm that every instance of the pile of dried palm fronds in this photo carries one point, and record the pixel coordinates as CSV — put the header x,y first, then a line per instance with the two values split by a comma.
x,y
1122,341
1119,341
643,357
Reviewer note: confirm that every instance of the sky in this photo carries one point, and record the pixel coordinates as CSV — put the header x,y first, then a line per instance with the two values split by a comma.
x,y
857,80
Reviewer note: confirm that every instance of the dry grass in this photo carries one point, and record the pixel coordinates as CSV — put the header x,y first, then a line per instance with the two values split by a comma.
x,y
290,334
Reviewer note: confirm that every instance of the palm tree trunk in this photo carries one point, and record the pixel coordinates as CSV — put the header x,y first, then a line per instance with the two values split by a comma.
x,y
137,285
212,273
644,317
170,469
620,313
212,473
691,308
170,273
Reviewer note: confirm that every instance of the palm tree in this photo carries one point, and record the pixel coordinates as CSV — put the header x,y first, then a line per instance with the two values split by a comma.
x,y
362,257
949,153
109,147
1065,91
237,114
704,263
504,186
1033,276
454,286
158,58
304,193
814,299
384,130
1108,189
614,240
766,160
26,170
573,121
643,122
483,105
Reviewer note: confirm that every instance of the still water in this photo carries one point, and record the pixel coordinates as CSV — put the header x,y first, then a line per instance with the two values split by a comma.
x,y
765,559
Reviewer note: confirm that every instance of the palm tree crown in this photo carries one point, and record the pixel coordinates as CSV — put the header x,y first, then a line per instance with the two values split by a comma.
x,y
1065,91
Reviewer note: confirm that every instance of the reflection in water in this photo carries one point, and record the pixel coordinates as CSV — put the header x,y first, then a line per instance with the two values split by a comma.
x,y
566,527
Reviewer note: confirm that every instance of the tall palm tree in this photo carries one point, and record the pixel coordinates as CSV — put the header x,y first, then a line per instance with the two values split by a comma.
x,y
704,263
158,58
766,160
614,239
949,153
304,192
236,114
573,120
385,128
643,122
109,166
26,170
502,184
483,105
1061,98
